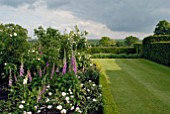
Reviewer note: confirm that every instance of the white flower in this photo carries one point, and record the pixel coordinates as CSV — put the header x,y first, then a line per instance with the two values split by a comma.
x,y
38,59
94,100
36,107
71,104
71,92
88,90
28,112
48,86
15,34
100,85
21,106
33,51
22,101
72,96
77,109
49,106
38,111
11,35
5,64
64,111
47,100
68,101
63,94
88,97
89,80
59,107
81,85
25,81
50,93
94,84
67,98
72,108
91,64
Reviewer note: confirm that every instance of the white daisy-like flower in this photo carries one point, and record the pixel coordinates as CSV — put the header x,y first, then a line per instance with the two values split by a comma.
x,y
68,102
81,85
88,97
48,86
64,111
21,106
67,98
49,106
89,80
72,96
11,35
23,102
38,59
72,108
69,90
94,84
15,34
50,93
5,64
63,94
59,107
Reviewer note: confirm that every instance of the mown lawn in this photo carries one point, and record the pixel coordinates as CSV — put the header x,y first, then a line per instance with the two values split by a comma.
x,y
138,86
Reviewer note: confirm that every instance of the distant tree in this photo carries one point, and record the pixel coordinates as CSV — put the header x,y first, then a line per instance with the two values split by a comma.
x,y
106,41
119,43
162,28
130,40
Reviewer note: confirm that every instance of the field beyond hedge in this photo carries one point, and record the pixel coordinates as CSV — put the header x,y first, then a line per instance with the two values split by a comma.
x,y
138,86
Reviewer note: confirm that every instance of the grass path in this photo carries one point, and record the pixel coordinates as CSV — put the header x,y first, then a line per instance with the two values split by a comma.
x,y
138,86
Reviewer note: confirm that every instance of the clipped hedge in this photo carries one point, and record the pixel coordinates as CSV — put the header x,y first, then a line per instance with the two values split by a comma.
x,y
156,48
109,55
109,105
138,47
115,50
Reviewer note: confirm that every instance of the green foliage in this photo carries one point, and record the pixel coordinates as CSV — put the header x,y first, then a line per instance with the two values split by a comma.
x,y
156,48
13,42
130,40
106,41
115,50
162,28
105,55
138,47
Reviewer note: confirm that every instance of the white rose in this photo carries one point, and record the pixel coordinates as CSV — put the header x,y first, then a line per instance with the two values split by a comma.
x,y
64,111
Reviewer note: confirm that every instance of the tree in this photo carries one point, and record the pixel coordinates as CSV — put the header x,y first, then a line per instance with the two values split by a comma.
x,y
162,28
106,41
130,40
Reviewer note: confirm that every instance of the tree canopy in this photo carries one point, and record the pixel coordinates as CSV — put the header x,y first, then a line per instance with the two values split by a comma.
x,y
106,41
130,40
162,28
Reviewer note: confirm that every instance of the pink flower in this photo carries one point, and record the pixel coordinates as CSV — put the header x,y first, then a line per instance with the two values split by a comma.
x,y
10,82
73,63
52,71
64,68
22,70
29,75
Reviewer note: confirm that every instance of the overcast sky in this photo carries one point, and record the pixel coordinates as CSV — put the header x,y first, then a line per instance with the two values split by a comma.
x,y
113,18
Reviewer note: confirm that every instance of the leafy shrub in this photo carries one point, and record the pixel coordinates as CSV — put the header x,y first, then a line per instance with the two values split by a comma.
x,y
138,47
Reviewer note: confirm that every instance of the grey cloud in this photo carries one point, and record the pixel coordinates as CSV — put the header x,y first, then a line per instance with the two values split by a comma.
x,y
16,3
124,15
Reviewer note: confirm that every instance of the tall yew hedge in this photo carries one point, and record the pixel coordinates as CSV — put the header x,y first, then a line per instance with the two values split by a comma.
x,y
156,48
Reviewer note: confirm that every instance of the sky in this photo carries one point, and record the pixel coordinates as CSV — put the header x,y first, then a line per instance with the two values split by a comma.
x,y
116,19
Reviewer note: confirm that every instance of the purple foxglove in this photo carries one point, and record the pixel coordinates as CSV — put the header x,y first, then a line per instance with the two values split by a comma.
x,y
29,75
52,72
22,70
